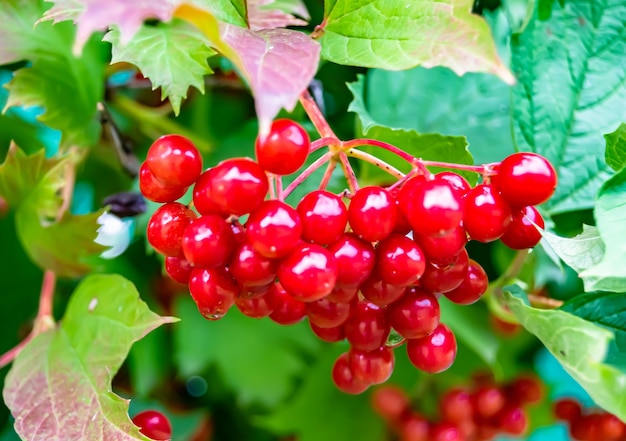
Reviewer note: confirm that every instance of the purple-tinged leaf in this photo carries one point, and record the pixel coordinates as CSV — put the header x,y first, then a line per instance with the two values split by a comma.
x,y
266,14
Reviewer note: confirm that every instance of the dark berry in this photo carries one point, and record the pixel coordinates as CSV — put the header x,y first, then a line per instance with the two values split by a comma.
x,y
287,310
326,314
379,292
444,279
367,327
329,335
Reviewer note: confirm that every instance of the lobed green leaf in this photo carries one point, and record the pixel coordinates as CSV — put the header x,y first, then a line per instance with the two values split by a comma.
x,y
615,153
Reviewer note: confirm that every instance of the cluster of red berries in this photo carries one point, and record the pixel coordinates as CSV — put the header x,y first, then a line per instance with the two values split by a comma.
x,y
479,413
154,425
355,271
589,425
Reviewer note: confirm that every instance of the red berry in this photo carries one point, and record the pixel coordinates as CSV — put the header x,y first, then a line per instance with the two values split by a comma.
x,y
324,217
521,232
458,182
174,161
399,260
203,202
287,310
526,178
487,214
213,290
567,409
445,431
154,190
251,292
443,250
527,389
372,213
154,425
256,307
435,352
208,241
178,268
250,268
308,273
329,335
236,186
344,378
342,294
445,279
285,148
166,227
355,260
473,286
367,327
415,315
390,402
432,207
274,229
374,367
488,400
379,292
326,314
513,421
413,427
612,428
455,406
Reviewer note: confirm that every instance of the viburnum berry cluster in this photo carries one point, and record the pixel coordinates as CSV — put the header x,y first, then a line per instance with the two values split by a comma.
x,y
480,412
589,425
358,264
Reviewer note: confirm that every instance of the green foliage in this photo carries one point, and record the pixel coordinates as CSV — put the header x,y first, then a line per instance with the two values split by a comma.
x,y
615,153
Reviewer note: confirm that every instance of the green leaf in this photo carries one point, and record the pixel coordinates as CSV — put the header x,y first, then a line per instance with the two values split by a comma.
x,y
59,386
228,11
172,55
580,347
396,35
610,214
571,90
257,358
474,106
320,412
615,153
32,186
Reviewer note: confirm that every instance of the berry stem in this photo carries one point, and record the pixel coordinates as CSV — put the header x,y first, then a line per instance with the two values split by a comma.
x,y
316,116
271,188
323,142
279,188
353,183
359,154
482,169
330,168
306,173
384,145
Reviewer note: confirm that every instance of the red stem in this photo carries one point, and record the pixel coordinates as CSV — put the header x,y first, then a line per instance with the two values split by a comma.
x,y
384,145
322,142
328,174
306,173
316,115
353,183
475,168
279,188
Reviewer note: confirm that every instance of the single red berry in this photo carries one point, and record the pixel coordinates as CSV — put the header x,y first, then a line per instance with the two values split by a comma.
x,y
342,294
355,260
285,149
442,250
154,190
399,260
458,182
329,335
203,202
379,292
488,400
373,367
308,273
235,186
445,279
326,314
435,352
432,207
456,406
585,428
390,402
154,425
415,315
413,427
525,179
256,307
344,378
513,420
473,286
526,388
178,268
250,268
367,327
166,228
213,290
208,241
522,232
372,213
487,214
445,431
567,409
403,226
174,161
274,229
324,217
612,428
287,310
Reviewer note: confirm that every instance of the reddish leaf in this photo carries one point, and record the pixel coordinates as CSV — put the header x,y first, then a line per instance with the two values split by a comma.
x,y
263,14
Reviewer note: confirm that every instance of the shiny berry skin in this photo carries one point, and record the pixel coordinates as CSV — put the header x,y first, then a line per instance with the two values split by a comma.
x,y
373,367
256,307
324,217
390,402
329,335
379,292
372,213
442,250
473,286
308,273
513,421
274,229
456,406
174,161
166,228
445,279
367,327
521,232
344,378
208,242
458,182
487,214
399,260
285,148
154,190
567,409
445,431
178,268
415,315
432,207
287,310
525,179
235,186
154,425
488,400
342,294
202,200
213,290
251,268
355,259
435,352
326,314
